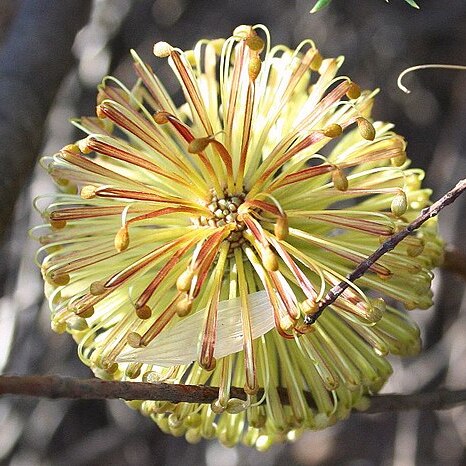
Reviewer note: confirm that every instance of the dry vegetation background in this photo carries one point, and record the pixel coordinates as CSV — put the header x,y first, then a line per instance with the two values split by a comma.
x,y
40,58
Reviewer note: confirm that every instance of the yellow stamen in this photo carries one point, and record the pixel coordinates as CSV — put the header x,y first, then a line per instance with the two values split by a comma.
x,y
183,283
281,228
399,204
198,145
255,43
71,148
88,192
144,312
316,62
339,179
333,131
399,160
366,128
354,91
134,339
184,306
161,118
269,259
121,241
58,279
85,312
254,67
97,288
57,224
309,306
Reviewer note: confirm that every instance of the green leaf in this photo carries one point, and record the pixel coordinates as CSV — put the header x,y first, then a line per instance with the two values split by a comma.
x,y
413,3
323,3
320,4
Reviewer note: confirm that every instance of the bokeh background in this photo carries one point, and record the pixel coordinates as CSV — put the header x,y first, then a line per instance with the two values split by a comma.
x,y
52,56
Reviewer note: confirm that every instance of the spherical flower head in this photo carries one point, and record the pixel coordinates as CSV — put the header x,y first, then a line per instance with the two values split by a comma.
x,y
189,243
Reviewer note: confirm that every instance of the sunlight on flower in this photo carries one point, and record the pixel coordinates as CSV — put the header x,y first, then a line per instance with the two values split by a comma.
x,y
189,244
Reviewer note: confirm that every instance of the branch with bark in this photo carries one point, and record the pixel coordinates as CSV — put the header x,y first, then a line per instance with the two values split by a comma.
x,y
54,386
66,387
387,246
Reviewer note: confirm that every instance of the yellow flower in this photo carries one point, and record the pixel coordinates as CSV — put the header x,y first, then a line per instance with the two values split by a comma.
x,y
203,235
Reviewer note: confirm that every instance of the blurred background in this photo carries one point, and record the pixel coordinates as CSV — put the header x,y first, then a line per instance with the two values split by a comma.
x,y
52,56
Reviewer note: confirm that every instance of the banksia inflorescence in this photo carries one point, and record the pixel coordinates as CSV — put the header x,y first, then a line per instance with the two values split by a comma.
x,y
189,244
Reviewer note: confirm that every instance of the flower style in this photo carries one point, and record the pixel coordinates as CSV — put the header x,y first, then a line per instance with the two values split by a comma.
x,y
203,235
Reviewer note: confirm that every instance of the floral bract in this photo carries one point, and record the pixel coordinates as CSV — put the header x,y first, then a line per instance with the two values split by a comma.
x,y
189,243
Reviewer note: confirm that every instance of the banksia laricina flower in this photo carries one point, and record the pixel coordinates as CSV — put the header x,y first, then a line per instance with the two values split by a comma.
x,y
190,243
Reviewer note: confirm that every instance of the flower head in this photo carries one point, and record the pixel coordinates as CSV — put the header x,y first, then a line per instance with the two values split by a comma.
x,y
201,236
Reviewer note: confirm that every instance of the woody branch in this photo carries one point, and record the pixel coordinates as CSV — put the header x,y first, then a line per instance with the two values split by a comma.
x,y
53,386
387,246
66,387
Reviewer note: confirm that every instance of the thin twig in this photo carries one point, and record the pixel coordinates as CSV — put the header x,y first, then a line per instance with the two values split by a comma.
x,y
387,246
439,399
54,386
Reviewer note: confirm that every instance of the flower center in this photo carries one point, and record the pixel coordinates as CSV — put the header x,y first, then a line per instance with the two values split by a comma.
x,y
225,211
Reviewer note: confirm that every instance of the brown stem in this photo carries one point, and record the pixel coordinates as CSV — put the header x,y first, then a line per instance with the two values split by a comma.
x,y
54,386
439,399
387,246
